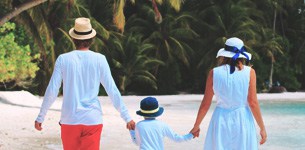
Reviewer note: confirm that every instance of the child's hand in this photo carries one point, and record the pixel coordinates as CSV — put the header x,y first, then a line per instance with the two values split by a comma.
x,y
195,131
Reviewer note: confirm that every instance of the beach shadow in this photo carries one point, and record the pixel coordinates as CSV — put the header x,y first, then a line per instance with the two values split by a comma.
x,y
4,101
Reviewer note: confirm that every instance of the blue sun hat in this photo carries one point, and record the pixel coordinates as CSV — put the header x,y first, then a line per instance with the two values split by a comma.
x,y
149,107
234,48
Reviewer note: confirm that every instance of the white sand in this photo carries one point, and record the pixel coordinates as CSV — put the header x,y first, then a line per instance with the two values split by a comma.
x,y
19,109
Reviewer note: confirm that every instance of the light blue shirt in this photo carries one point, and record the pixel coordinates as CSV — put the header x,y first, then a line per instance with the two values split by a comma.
x,y
82,72
149,135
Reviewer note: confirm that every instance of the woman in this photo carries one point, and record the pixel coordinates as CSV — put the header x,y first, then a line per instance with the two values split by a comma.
x,y
234,85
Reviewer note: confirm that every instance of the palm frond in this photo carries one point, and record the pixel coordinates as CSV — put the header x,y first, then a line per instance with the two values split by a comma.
x,y
119,18
67,36
100,29
176,4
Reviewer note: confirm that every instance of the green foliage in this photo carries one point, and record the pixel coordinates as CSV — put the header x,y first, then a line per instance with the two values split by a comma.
x,y
186,41
132,64
17,62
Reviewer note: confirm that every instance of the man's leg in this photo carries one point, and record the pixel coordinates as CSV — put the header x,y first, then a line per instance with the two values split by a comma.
x,y
70,136
90,138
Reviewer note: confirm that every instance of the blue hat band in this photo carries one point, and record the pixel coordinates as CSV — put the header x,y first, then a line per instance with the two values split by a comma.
x,y
234,58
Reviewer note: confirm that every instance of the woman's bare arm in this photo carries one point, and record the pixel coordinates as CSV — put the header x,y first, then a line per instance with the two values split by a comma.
x,y
205,104
255,108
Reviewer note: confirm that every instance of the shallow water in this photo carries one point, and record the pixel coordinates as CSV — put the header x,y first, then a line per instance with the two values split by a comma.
x,y
285,124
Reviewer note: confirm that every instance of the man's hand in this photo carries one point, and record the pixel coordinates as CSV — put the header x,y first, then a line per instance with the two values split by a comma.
x,y
38,126
131,125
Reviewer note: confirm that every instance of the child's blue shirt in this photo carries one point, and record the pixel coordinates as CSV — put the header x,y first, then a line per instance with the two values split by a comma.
x,y
149,135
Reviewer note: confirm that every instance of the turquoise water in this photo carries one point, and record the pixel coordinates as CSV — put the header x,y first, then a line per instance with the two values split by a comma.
x,y
283,108
285,124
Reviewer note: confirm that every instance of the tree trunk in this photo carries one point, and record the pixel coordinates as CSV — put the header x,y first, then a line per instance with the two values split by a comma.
x,y
158,16
272,59
122,85
271,74
274,22
19,9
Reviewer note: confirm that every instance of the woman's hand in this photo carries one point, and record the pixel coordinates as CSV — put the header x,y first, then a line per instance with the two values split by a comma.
x,y
263,134
195,131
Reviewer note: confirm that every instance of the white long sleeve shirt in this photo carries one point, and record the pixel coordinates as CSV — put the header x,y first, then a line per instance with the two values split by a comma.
x,y
82,72
149,135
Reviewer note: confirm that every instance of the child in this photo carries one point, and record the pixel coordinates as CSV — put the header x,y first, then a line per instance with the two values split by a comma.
x,y
149,133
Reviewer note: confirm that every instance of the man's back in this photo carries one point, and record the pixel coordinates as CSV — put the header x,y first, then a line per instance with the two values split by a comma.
x,y
81,73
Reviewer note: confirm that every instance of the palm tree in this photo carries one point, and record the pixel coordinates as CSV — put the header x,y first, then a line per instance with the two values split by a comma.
x,y
171,39
18,9
290,25
119,17
268,45
28,23
48,24
132,64
272,33
215,22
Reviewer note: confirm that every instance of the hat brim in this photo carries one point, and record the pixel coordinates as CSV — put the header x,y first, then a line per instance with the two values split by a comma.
x,y
156,114
224,53
82,37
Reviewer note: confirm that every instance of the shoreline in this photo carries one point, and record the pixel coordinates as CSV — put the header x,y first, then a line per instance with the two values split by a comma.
x,y
298,96
19,109
26,99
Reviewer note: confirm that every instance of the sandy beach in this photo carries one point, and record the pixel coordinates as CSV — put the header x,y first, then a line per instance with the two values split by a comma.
x,y
19,109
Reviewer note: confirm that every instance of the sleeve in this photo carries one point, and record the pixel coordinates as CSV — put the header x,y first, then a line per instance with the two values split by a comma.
x,y
175,137
52,91
112,90
134,137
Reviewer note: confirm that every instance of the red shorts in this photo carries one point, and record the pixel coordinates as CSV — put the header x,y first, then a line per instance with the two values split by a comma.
x,y
81,137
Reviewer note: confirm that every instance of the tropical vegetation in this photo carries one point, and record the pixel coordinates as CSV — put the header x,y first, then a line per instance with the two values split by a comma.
x,y
160,46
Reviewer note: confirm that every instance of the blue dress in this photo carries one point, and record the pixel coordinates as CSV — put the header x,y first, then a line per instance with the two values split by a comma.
x,y
232,125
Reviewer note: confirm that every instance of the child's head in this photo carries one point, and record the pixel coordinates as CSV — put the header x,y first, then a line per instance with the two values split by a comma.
x,y
149,108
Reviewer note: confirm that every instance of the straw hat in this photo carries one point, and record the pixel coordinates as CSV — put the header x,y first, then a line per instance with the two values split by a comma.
x,y
232,46
82,29
150,108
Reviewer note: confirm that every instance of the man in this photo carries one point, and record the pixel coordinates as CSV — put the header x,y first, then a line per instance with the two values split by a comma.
x,y
82,71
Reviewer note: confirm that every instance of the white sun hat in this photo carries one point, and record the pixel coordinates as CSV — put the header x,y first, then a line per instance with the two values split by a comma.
x,y
82,29
232,46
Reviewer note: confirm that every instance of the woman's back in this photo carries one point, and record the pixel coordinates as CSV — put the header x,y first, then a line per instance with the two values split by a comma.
x,y
234,86
231,90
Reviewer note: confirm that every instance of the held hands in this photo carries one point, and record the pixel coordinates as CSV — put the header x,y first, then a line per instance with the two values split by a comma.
x,y
37,126
195,131
131,125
